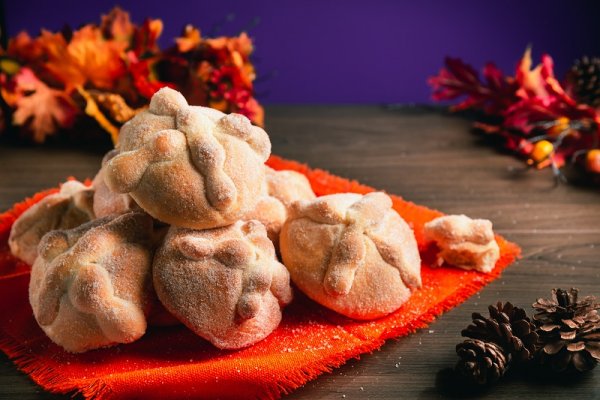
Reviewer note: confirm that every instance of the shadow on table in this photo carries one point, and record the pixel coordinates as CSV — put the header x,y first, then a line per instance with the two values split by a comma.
x,y
85,139
450,384
570,174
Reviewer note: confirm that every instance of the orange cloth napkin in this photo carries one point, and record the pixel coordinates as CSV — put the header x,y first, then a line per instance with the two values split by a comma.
x,y
174,363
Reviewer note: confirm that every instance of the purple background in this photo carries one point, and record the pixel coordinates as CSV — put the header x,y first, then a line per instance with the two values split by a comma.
x,y
353,51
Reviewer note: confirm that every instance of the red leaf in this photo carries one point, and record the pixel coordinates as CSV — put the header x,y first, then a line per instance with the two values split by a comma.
x,y
143,80
493,76
145,37
459,79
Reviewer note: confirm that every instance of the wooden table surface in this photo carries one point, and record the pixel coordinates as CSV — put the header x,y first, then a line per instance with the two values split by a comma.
x,y
431,159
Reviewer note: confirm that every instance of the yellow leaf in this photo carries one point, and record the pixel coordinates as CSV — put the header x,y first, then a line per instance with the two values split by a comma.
x,y
9,66
93,111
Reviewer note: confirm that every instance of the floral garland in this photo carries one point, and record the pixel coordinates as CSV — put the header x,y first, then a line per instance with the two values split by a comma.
x,y
110,71
539,118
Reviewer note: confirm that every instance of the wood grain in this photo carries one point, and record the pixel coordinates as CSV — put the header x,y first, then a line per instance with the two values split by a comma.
x,y
426,157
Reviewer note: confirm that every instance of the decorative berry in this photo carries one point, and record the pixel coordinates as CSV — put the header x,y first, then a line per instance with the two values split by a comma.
x,y
541,151
592,161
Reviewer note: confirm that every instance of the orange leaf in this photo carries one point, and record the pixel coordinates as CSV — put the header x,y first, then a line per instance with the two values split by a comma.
x,y
217,43
88,57
44,109
531,80
24,48
117,25
241,44
60,63
190,39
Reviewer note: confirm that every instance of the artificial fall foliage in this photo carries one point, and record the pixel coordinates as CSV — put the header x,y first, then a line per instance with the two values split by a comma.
x,y
547,122
110,71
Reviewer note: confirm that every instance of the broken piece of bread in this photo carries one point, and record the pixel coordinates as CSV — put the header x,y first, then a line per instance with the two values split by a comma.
x,y
464,242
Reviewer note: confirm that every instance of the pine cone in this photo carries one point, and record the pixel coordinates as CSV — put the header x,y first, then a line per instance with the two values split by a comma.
x,y
509,327
584,80
481,362
569,330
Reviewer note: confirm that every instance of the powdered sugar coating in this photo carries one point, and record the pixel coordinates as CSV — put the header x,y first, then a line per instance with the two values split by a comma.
x,y
270,212
225,284
464,242
282,189
107,202
190,166
70,207
351,253
288,186
90,286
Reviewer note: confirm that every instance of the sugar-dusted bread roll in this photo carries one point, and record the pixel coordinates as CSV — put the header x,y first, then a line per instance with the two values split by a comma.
x,y
90,285
107,202
282,189
271,213
351,253
70,207
288,186
464,242
189,166
225,284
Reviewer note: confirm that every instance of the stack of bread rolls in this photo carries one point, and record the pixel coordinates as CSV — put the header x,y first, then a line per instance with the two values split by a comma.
x,y
184,223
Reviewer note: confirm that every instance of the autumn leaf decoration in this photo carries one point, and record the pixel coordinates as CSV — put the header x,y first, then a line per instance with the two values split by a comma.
x,y
532,111
38,106
110,71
